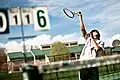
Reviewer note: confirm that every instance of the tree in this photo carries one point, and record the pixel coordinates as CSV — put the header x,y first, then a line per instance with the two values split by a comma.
x,y
116,42
59,51
3,58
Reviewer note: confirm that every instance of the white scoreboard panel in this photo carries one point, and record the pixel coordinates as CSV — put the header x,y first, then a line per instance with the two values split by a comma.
x,y
27,15
41,19
14,16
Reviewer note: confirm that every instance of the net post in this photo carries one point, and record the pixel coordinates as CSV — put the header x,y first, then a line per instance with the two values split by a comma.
x,y
79,75
31,72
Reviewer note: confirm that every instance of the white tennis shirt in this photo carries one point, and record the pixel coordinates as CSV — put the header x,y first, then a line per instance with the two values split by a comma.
x,y
88,51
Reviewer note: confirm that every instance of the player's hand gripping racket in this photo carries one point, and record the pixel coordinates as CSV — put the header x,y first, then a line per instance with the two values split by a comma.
x,y
70,13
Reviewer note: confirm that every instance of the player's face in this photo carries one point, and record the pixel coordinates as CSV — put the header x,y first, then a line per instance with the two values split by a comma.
x,y
95,35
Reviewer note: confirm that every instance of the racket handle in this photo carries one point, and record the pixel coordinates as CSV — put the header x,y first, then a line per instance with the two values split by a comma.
x,y
78,13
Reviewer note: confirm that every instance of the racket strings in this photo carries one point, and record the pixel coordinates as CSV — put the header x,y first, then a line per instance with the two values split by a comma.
x,y
69,13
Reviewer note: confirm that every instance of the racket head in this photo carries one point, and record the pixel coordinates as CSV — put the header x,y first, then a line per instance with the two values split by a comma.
x,y
68,12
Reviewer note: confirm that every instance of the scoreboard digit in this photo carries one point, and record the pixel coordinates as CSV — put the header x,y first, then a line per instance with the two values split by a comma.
x,y
4,27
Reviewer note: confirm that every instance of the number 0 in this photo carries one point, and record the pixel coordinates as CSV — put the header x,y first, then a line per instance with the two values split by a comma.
x,y
3,22
40,18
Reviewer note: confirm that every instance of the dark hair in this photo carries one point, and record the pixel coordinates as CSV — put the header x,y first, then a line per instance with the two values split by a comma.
x,y
97,32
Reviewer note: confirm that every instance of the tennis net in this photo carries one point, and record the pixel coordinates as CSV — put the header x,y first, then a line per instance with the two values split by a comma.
x,y
109,68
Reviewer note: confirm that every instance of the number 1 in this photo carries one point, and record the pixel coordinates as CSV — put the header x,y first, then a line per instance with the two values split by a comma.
x,y
15,19
28,18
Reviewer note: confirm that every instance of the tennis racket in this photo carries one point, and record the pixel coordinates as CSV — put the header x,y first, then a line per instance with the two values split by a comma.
x,y
70,13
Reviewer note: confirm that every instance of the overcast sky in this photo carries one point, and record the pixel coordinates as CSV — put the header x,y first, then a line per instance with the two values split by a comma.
x,y
103,15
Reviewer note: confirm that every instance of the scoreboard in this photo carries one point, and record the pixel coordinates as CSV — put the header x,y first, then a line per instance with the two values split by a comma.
x,y
24,16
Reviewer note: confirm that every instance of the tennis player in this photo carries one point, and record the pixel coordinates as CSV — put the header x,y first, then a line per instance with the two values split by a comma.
x,y
93,48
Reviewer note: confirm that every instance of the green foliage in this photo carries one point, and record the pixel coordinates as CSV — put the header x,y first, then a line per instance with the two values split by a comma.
x,y
59,48
59,51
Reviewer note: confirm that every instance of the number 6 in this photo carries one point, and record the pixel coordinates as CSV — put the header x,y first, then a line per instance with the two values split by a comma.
x,y
39,18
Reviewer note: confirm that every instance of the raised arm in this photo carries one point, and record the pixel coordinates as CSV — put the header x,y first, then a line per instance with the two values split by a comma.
x,y
82,26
